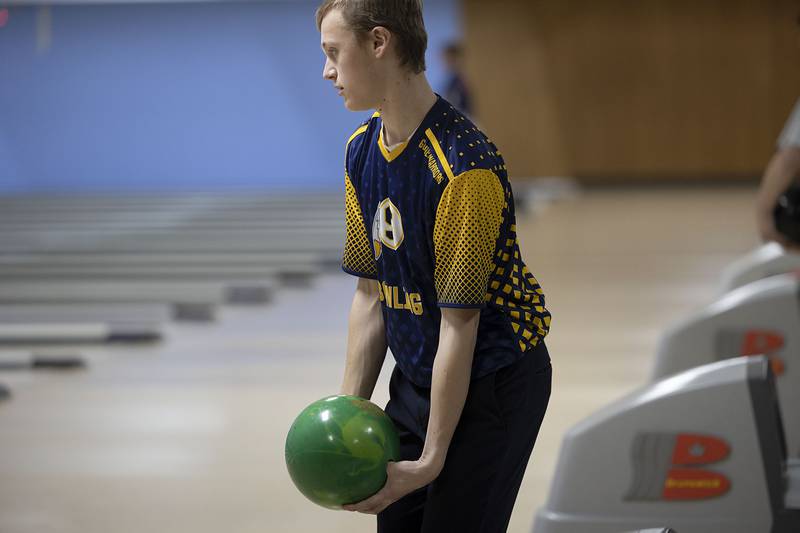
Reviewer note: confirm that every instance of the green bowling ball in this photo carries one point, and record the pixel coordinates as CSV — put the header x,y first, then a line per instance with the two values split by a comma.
x,y
337,450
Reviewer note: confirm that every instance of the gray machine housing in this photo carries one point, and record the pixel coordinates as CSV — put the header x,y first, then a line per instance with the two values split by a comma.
x,y
615,469
765,309
768,260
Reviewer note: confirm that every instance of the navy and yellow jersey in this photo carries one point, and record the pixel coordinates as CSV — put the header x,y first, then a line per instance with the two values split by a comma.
x,y
433,222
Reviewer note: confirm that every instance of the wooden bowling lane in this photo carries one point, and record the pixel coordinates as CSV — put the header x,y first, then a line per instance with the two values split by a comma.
x,y
187,435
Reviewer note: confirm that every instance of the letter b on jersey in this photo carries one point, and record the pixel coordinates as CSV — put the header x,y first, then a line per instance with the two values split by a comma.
x,y
387,227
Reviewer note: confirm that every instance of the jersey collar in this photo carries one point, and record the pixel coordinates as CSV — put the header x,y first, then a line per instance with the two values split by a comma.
x,y
397,150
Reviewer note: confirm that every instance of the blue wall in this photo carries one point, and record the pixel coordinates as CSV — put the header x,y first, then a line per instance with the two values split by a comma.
x,y
206,96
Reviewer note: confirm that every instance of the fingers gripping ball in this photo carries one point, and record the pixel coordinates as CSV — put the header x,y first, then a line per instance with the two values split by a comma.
x,y
337,450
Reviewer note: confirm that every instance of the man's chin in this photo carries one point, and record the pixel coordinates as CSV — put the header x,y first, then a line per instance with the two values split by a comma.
x,y
353,105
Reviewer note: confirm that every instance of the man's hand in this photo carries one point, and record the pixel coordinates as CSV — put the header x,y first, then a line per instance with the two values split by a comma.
x,y
403,478
766,224
781,171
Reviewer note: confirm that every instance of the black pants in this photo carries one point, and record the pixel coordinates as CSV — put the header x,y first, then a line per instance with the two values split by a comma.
x,y
492,443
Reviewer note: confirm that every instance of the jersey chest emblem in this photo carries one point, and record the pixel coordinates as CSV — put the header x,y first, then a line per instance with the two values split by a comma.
x,y
387,227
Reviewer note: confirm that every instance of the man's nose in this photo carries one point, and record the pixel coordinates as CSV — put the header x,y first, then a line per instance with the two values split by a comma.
x,y
328,72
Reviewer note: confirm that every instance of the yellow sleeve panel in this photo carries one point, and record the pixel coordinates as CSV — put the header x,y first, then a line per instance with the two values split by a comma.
x,y
358,255
465,234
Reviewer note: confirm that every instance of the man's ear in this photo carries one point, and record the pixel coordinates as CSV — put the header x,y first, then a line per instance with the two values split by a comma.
x,y
380,39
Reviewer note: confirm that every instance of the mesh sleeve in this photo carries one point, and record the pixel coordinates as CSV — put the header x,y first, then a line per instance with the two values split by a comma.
x,y
358,258
465,234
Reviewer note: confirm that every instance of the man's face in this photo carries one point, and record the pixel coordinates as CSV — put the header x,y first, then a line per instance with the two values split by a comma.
x,y
348,63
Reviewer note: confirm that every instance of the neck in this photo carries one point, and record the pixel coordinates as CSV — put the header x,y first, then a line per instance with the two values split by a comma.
x,y
406,102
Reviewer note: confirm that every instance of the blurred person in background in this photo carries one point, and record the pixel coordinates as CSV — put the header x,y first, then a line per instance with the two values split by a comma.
x,y
456,90
431,235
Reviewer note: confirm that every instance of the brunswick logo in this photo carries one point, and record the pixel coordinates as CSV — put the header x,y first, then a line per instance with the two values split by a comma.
x,y
387,227
666,467
744,342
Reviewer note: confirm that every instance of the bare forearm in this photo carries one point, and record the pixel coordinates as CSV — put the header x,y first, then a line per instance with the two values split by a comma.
x,y
366,344
450,383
